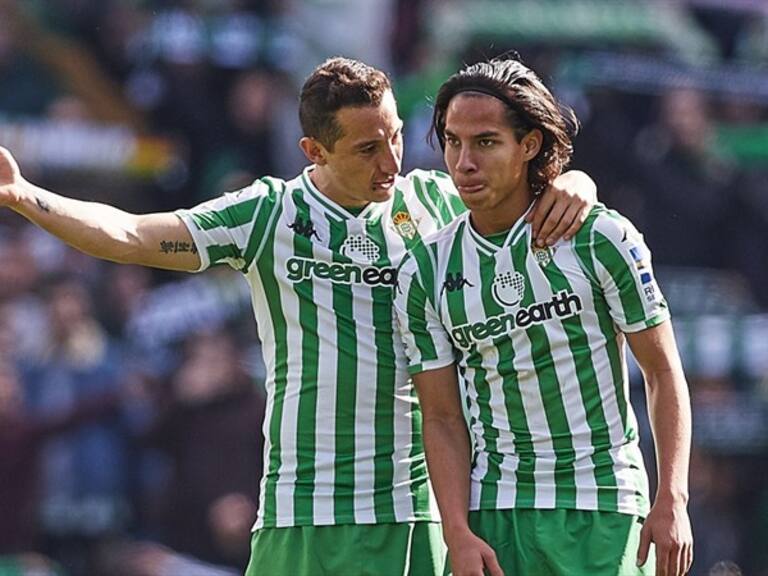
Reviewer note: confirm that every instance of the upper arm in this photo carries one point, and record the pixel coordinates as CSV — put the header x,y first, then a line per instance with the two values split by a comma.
x,y
427,344
621,262
655,349
439,394
166,243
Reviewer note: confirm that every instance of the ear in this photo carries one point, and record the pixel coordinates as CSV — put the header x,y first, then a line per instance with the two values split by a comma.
x,y
531,143
314,151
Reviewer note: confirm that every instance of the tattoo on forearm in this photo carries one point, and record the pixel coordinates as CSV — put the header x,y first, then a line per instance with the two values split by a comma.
x,y
175,247
42,204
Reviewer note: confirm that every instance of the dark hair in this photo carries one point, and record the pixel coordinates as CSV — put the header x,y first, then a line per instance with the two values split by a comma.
x,y
530,105
336,83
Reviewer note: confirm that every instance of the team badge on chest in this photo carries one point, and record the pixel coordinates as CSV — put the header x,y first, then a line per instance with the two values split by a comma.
x,y
544,255
404,225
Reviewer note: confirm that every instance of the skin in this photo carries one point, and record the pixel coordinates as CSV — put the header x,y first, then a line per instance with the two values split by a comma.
x,y
489,166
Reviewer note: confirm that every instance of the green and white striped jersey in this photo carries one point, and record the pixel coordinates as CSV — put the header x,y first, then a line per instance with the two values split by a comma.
x,y
538,339
342,427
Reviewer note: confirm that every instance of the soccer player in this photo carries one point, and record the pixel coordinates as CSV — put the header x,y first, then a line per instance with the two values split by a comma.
x,y
554,482
345,487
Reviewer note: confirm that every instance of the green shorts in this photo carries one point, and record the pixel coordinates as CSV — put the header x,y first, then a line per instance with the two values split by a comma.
x,y
397,549
563,542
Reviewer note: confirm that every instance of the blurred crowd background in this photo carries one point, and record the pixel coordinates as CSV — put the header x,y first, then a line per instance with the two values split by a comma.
x,y
131,400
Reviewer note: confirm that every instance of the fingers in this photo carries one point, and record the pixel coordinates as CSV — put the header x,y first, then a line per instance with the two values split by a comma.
x,y
569,222
577,216
645,545
491,563
540,211
556,215
673,558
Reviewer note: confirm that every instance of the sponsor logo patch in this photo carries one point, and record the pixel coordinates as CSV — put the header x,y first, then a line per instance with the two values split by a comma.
x,y
562,305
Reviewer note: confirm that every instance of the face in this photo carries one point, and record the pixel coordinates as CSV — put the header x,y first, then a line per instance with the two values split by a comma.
x,y
365,160
484,157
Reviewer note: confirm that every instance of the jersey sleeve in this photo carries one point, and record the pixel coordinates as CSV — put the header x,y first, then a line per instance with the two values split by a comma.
x,y
427,344
622,266
227,229
437,192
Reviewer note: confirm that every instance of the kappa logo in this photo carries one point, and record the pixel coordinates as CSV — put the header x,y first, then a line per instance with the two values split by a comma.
x,y
455,282
304,227
360,248
508,288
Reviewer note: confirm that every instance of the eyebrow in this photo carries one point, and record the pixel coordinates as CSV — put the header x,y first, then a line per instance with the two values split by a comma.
x,y
366,143
486,134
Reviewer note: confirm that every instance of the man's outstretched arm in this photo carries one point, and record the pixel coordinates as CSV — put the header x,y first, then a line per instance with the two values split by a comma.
x,y
159,240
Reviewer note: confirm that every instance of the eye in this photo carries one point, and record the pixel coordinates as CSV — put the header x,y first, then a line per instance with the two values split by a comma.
x,y
452,141
368,150
485,143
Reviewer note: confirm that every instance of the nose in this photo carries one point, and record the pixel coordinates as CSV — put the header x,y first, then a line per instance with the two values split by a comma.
x,y
391,159
465,163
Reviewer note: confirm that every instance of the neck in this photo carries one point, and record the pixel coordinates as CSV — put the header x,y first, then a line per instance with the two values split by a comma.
x,y
502,216
325,185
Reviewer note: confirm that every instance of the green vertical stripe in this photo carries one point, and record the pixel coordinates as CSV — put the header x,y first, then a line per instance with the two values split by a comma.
x,y
346,385
307,412
444,210
586,375
418,187
266,216
384,425
416,304
490,483
582,248
622,276
266,270
549,388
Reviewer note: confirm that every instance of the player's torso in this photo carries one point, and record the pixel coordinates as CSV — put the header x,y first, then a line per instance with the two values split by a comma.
x,y
343,423
541,359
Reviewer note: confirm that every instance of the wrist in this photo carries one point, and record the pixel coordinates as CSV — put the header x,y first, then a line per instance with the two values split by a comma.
x,y
455,533
672,498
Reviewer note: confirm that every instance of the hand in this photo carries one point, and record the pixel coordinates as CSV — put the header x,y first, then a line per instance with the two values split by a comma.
x,y
471,556
10,177
670,529
563,207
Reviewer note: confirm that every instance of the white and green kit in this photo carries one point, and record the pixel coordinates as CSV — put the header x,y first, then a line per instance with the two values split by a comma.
x,y
537,335
343,428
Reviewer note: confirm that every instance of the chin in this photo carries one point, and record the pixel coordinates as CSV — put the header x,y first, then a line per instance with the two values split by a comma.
x,y
381,194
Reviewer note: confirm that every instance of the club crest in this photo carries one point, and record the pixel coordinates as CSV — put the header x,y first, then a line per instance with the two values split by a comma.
x,y
404,225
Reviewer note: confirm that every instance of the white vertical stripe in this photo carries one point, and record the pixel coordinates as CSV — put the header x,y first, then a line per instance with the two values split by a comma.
x,y
289,421
325,414
365,405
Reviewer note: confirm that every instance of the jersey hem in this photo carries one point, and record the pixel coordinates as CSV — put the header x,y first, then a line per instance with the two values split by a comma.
x,y
427,366
645,324
306,521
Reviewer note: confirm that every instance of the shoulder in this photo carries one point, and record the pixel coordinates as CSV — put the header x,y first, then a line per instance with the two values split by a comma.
x,y
603,224
431,182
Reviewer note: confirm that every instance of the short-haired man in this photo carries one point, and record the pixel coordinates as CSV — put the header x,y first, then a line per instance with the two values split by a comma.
x,y
555,482
345,489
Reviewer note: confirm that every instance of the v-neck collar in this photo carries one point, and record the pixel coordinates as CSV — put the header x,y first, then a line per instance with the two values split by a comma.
x,y
518,229
335,210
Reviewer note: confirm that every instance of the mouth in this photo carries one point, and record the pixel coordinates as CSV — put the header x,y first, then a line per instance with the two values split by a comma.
x,y
469,188
384,184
